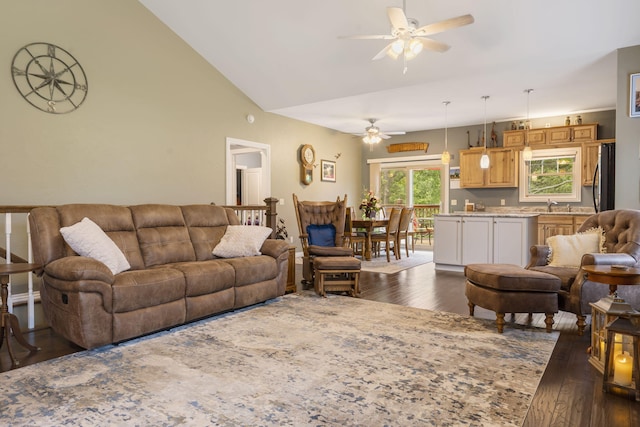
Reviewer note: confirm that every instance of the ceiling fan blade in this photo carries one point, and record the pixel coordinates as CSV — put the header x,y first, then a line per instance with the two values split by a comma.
x,y
445,25
384,136
369,37
383,52
397,18
433,45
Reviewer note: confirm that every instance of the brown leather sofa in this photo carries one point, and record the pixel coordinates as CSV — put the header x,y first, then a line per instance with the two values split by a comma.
x,y
622,244
174,277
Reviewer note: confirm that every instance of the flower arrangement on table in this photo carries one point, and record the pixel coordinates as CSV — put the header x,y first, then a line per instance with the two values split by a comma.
x,y
370,204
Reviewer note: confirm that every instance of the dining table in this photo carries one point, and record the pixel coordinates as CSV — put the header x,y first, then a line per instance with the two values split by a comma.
x,y
368,225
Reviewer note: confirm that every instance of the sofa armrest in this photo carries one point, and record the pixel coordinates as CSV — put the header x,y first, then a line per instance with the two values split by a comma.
x,y
539,255
608,259
274,248
76,268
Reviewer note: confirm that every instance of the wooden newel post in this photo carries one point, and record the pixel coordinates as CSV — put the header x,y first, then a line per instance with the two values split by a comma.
x,y
272,214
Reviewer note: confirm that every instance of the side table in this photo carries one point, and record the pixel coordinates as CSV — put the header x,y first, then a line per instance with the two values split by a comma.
x,y
9,321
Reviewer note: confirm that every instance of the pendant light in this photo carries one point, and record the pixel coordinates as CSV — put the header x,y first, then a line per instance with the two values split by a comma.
x,y
527,154
484,160
446,157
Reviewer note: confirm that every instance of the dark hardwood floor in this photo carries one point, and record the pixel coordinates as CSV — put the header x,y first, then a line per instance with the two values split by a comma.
x,y
569,393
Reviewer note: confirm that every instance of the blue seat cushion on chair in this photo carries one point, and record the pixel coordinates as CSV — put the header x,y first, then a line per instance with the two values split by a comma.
x,y
322,235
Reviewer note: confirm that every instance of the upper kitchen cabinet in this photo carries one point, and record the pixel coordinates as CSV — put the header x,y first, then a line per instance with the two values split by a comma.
x,y
517,138
551,136
503,170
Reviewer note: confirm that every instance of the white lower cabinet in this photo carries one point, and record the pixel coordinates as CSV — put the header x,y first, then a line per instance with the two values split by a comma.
x,y
482,239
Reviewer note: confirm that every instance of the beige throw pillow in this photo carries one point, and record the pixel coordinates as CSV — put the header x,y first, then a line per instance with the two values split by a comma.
x,y
86,238
567,251
241,241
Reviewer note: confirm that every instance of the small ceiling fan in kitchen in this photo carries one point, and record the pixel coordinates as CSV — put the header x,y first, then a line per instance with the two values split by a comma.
x,y
372,134
408,38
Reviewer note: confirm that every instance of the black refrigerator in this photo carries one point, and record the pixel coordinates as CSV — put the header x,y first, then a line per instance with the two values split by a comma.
x,y
604,179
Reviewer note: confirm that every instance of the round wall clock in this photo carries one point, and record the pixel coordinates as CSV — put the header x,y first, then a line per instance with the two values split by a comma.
x,y
307,155
49,78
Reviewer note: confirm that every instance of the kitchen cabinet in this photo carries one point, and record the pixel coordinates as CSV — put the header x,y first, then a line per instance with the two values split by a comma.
x,y
538,138
482,238
589,161
447,240
517,138
502,172
512,240
584,133
477,240
553,225
559,135
471,175
503,168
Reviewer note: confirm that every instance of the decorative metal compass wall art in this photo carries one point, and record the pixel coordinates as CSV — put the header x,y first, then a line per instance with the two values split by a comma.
x,y
49,78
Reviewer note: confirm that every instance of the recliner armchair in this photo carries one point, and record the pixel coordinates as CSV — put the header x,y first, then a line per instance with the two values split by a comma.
x,y
321,227
622,243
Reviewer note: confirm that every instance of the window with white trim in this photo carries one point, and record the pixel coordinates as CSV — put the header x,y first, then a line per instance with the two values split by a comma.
x,y
551,174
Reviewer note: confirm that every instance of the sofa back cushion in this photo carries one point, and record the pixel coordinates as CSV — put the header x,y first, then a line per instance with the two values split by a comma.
x,y
114,220
162,234
206,224
621,230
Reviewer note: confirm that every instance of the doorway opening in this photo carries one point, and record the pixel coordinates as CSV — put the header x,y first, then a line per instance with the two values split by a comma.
x,y
248,172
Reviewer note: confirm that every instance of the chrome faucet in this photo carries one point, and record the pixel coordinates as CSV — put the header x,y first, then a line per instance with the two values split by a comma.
x,y
550,203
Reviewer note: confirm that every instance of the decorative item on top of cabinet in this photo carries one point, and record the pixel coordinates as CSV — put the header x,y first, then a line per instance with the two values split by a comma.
x,y
502,173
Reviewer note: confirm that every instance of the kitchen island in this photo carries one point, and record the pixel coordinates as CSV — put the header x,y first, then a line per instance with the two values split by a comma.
x,y
483,238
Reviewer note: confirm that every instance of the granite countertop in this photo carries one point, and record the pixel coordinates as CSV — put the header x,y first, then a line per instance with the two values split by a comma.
x,y
519,212
492,214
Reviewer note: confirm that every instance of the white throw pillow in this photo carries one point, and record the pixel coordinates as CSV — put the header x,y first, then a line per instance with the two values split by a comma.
x,y
600,232
86,238
242,240
567,251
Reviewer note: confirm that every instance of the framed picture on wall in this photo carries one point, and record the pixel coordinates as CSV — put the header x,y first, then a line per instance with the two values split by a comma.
x,y
328,170
634,95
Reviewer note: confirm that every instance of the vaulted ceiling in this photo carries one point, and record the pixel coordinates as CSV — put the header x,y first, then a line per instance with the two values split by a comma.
x,y
286,56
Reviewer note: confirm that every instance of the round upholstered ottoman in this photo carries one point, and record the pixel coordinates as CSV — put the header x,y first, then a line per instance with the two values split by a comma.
x,y
507,288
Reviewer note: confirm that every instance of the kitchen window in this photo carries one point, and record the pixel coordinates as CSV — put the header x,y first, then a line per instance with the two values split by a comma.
x,y
551,174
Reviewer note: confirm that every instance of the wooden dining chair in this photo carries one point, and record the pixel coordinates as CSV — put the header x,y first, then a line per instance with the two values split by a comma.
x,y
356,239
406,215
389,236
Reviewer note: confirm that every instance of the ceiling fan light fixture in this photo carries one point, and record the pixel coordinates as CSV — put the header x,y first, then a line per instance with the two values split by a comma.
x,y
415,46
395,49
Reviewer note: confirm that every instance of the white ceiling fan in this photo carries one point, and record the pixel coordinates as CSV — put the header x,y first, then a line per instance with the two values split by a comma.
x,y
408,38
373,135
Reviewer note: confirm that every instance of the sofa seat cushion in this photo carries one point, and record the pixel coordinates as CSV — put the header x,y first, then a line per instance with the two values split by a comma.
x,y
508,277
206,277
133,290
250,270
567,275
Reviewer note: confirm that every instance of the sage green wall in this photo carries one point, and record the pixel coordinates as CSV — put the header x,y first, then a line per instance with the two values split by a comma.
x,y
627,134
154,124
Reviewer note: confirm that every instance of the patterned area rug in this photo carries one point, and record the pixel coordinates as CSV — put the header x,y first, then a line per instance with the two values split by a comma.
x,y
298,360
